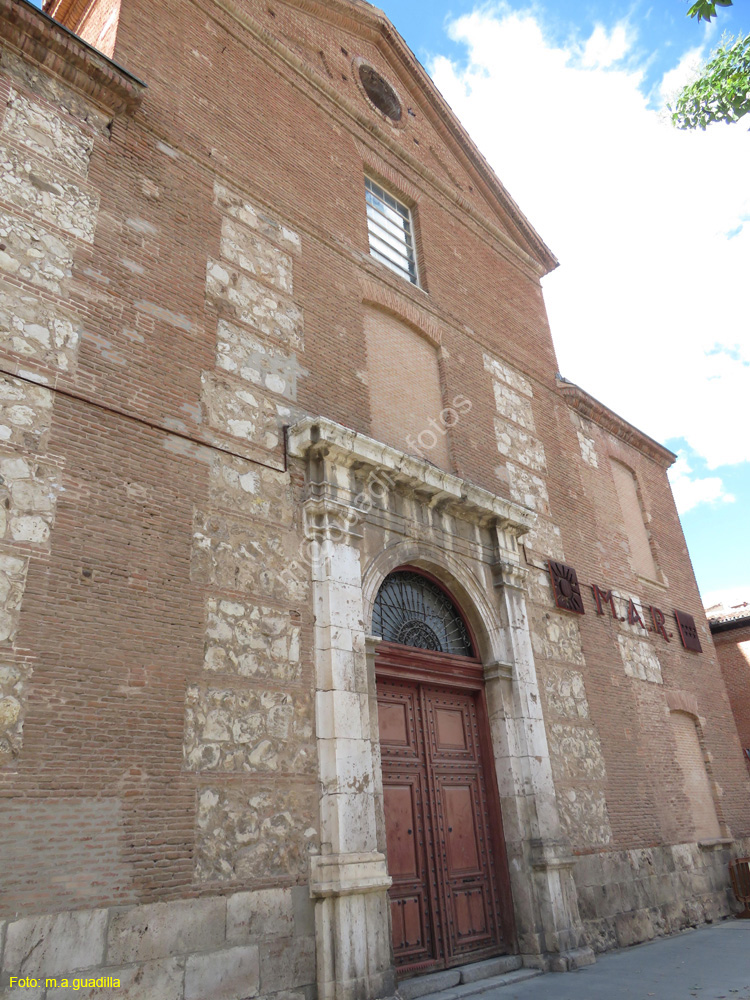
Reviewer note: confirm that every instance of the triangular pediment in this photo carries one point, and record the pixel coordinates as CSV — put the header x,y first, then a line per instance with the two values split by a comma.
x,y
443,149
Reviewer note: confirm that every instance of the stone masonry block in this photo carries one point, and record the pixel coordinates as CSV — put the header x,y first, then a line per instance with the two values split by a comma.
x,y
506,374
238,207
263,832
36,187
14,682
36,328
150,981
556,636
32,253
249,250
232,974
248,301
519,446
247,488
254,559
565,693
47,132
251,640
234,409
528,489
639,659
158,930
514,407
42,946
304,911
261,914
252,731
576,752
13,571
545,539
254,360
25,413
286,963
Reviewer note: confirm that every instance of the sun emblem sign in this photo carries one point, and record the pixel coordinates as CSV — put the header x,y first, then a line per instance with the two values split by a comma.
x,y
565,585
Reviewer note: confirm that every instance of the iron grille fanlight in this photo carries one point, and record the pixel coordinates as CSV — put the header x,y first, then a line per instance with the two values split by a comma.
x,y
413,611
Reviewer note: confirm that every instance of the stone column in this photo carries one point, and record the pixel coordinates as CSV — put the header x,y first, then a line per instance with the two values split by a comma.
x,y
349,879
550,930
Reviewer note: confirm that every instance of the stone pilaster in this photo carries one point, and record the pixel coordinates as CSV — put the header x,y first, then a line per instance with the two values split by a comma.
x,y
349,881
550,929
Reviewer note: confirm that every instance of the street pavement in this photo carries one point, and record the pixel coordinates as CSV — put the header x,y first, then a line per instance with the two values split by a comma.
x,y
711,963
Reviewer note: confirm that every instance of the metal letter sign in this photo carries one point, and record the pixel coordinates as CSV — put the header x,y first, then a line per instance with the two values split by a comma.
x,y
688,631
565,585
568,597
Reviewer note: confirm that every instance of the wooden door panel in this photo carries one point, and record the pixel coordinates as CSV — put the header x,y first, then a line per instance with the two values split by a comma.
x,y
462,853
398,710
407,920
470,917
401,830
444,903
452,734
450,730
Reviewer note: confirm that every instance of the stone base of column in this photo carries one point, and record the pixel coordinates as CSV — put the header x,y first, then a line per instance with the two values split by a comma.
x,y
352,927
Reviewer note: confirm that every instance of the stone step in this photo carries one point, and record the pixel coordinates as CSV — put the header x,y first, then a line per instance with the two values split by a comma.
x,y
492,967
485,985
467,975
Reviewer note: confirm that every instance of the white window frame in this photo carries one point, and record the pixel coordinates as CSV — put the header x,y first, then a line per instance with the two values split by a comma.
x,y
390,229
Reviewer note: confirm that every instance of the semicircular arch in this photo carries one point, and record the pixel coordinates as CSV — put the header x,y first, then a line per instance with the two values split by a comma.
x,y
463,586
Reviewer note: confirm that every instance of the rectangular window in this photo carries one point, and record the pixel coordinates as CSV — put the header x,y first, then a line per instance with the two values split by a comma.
x,y
390,230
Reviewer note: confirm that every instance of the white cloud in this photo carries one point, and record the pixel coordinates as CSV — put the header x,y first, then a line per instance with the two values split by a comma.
x,y
602,49
689,492
730,598
646,221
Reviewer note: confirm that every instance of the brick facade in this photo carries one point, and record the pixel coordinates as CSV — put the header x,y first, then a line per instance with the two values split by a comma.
x,y
732,641
196,520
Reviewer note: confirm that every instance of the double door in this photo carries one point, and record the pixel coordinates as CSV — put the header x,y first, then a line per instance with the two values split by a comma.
x,y
449,898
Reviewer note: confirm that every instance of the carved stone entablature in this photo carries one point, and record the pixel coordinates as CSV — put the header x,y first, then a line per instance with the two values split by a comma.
x,y
60,53
510,574
329,448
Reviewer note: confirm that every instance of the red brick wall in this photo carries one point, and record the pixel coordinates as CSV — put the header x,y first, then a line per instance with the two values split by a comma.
x,y
114,620
733,651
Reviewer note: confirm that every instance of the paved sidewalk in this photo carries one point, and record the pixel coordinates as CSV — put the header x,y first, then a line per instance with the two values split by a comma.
x,y
711,963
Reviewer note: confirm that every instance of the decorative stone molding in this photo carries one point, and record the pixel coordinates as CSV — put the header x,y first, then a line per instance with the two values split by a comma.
x,y
510,574
319,437
326,520
59,52
590,408
498,671
348,874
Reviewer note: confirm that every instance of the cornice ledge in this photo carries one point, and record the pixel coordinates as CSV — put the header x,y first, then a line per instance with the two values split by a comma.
x,y
62,54
590,408
321,437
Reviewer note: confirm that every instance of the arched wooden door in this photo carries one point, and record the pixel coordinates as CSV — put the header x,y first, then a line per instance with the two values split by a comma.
x,y
450,898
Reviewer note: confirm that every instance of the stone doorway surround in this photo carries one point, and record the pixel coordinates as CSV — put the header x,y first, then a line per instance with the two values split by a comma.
x,y
369,509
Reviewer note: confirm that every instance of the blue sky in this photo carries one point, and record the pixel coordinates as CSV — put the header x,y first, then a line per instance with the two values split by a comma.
x,y
649,307
651,226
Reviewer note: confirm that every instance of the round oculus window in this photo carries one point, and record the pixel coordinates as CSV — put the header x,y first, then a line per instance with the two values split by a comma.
x,y
380,92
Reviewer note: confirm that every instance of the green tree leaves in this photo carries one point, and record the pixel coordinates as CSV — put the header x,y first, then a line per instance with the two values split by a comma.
x,y
722,91
704,10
